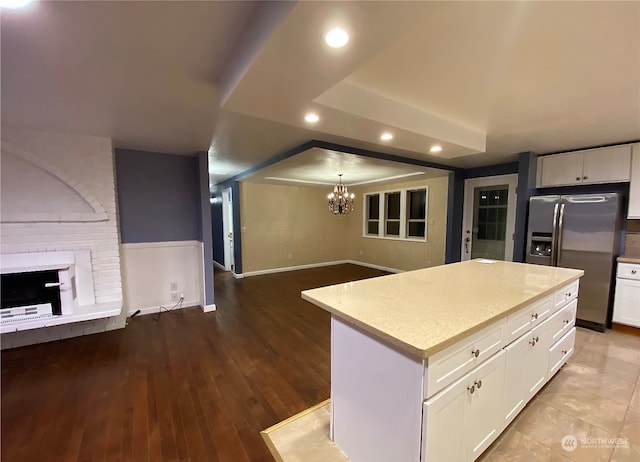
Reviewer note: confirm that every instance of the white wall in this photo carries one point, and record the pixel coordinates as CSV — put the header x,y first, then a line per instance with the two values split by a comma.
x,y
85,164
149,268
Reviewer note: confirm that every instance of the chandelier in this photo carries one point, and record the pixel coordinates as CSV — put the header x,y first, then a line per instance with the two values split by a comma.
x,y
340,201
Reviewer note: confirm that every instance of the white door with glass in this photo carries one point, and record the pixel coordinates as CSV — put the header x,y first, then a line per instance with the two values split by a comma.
x,y
489,217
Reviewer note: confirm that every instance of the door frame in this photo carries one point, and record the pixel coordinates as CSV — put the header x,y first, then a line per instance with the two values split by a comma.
x,y
227,228
467,215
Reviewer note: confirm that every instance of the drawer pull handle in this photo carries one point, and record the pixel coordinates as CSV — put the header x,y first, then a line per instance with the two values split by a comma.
x,y
533,341
471,389
564,352
633,271
475,353
478,384
534,315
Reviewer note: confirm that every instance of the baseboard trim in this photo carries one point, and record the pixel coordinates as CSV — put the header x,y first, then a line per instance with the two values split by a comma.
x,y
379,267
156,309
316,265
209,308
147,245
219,266
626,329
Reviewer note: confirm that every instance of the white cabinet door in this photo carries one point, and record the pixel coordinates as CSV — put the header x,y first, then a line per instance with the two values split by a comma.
x,y
561,351
626,306
514,386
483,413
634,185
561,169
607,165
536,359
462,420
443,438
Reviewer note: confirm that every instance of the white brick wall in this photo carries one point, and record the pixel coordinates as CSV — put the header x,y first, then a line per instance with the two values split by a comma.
x,y
88,162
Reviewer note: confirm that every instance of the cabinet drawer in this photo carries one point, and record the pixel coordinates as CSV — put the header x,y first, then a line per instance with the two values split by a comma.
x,y
629,271
523,320
453,362
566,294
561,351
563,321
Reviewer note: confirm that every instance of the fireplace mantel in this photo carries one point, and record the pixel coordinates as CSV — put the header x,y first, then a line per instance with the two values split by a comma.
x,y
35,261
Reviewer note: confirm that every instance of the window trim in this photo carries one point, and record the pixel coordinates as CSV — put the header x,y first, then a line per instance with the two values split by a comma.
x,y
382,221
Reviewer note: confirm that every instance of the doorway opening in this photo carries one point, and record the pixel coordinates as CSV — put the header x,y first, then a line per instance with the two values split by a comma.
x,y
227,229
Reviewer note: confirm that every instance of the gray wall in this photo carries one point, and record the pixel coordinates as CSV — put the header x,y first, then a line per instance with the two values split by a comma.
x,y
158,197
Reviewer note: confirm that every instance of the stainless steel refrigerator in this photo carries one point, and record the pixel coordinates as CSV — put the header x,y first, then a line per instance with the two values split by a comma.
x,y
579,231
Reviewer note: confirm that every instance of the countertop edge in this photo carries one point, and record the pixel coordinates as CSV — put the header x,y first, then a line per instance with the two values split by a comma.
x,y
634,260
426,353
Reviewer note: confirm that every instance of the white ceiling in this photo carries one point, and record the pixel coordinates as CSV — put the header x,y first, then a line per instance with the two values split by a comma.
x,y
486,80
318,167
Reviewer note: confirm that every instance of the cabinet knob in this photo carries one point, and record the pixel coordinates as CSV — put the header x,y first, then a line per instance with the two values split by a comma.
x,y
471,389
568,295
533,341
564,352
534,316
585,177
633,271
475,353
566,321
577,178
478,384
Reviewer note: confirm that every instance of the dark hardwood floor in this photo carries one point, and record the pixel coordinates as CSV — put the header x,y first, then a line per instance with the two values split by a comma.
x,y
192,386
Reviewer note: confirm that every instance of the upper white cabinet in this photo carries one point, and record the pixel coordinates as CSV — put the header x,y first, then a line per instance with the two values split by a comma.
x,y
603,165
634,187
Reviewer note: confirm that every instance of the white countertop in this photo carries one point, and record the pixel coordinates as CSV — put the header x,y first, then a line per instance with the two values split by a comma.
x,y
424,311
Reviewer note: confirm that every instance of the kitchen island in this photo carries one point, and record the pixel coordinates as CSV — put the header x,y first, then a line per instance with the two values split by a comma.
x,y
433,364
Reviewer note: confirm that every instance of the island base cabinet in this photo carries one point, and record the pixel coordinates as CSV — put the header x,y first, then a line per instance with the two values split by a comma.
x,y
468,405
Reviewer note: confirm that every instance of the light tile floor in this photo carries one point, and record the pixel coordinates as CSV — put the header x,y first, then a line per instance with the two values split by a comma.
x,y
595,395
595,398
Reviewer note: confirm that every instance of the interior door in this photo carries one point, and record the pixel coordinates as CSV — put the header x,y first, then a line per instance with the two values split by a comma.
x,y
489,217
227,228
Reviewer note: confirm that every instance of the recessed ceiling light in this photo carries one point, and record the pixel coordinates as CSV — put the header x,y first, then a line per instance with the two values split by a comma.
x,y
13,4
336,37
436,148
386,136
311,118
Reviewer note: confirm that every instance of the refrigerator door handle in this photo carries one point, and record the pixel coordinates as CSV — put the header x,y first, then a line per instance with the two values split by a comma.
x,y
554,236
587,199
559,231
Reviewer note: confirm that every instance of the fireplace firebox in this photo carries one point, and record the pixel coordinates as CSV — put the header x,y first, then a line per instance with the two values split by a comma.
x,y
30,291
